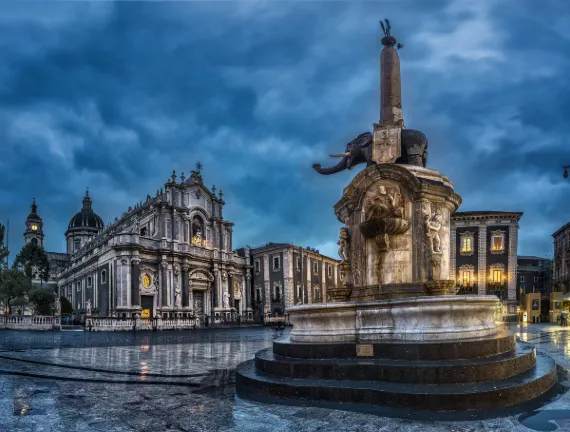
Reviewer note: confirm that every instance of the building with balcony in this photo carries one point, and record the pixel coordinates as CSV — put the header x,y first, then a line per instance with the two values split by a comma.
x,y
169,256
484,247
285,275
561,270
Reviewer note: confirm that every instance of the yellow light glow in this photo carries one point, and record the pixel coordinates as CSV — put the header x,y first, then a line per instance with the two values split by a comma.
x,y
146,280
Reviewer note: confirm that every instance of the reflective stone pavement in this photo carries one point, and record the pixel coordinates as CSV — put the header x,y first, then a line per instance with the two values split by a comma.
x,y
184,381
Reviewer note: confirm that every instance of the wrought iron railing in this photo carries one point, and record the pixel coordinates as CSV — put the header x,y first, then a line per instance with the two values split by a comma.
x,y
466,289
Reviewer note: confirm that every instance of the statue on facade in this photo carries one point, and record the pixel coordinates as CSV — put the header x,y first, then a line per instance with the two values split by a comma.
x,y
178,296
433,223
88,307
226,300
57,307
343,243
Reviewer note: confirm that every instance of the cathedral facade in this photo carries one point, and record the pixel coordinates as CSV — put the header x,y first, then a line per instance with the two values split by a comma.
x,y
169,256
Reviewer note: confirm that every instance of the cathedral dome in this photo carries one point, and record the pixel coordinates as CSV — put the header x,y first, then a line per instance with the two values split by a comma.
x,y
86,218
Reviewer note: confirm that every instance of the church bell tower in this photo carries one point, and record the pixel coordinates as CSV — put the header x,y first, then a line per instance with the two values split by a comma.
x,y
34,227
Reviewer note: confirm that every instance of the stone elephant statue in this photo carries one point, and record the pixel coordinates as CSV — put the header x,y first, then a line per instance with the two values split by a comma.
x,y
414,152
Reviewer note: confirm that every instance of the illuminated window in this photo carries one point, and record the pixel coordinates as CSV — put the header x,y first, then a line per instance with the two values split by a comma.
x,y
466,277
467,245
497,241
497,275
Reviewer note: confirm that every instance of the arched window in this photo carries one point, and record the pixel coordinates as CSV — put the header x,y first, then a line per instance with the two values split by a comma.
x,y
35,241
197,226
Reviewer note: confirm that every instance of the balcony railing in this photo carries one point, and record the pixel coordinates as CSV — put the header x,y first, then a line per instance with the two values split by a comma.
x,y
497,288
467,288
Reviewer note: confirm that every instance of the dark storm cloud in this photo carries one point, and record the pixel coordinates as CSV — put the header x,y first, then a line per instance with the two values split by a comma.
x,y
115,96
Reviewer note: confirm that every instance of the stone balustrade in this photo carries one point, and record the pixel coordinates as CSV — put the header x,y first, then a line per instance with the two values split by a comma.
x,y
34,322
130,324
109,324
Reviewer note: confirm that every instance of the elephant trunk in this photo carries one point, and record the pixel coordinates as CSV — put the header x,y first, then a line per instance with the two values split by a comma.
x,y
342,165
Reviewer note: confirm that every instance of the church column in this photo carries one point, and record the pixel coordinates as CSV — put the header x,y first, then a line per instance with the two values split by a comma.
x,y
135,291
248,293
231,289
266,282
453,254
482,261
288,278
324,282
512,262
163,284
309,287
218,282
185,291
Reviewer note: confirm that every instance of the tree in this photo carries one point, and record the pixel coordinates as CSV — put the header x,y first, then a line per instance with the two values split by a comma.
x,y
13,284
3,249
66,307
34,261
43,300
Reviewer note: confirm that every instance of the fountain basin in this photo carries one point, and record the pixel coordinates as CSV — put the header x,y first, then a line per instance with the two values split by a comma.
x,y
426,318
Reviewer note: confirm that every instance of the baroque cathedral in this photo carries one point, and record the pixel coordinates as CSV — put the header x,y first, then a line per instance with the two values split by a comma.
x,y
169,256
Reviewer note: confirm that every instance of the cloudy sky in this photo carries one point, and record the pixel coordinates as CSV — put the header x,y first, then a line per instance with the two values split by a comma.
x,y
114,96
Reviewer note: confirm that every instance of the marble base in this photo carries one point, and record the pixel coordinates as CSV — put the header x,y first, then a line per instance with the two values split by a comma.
x,y
410,319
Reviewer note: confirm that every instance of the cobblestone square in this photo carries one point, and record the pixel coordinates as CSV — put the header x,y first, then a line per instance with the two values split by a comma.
x,y
184,381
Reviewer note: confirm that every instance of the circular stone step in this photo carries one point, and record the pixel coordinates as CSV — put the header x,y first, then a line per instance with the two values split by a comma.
x,y
503,342
411,371
438,397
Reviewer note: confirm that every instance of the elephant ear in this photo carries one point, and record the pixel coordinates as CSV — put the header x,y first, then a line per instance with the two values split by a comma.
x,y
363,139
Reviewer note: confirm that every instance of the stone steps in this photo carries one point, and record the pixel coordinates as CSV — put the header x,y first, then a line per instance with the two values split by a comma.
x,y
490,368
510,391
501,343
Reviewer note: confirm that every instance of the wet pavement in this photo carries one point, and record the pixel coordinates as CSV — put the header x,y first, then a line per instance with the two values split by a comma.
x,y
184,381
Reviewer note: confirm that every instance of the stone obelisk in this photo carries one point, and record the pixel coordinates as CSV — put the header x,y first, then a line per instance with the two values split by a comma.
x,y
390,86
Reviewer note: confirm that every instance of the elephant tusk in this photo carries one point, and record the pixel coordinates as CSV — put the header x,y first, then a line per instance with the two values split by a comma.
x,y
340,154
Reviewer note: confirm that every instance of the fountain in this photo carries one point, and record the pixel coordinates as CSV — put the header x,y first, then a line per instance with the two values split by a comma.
x,y
394,333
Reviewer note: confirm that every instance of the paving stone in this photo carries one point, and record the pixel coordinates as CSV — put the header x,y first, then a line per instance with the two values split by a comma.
x,y
89,405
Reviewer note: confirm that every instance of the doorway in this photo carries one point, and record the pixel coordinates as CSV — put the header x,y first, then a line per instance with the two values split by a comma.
x,y
199,305
147,306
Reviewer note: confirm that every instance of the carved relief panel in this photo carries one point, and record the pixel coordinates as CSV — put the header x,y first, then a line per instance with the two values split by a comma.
x,y
383,222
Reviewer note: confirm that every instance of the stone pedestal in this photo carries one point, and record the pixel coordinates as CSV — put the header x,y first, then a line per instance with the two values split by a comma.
x,y
404,319
397,218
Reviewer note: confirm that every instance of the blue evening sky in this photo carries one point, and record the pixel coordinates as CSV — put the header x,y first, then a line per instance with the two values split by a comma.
x,y
114,96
